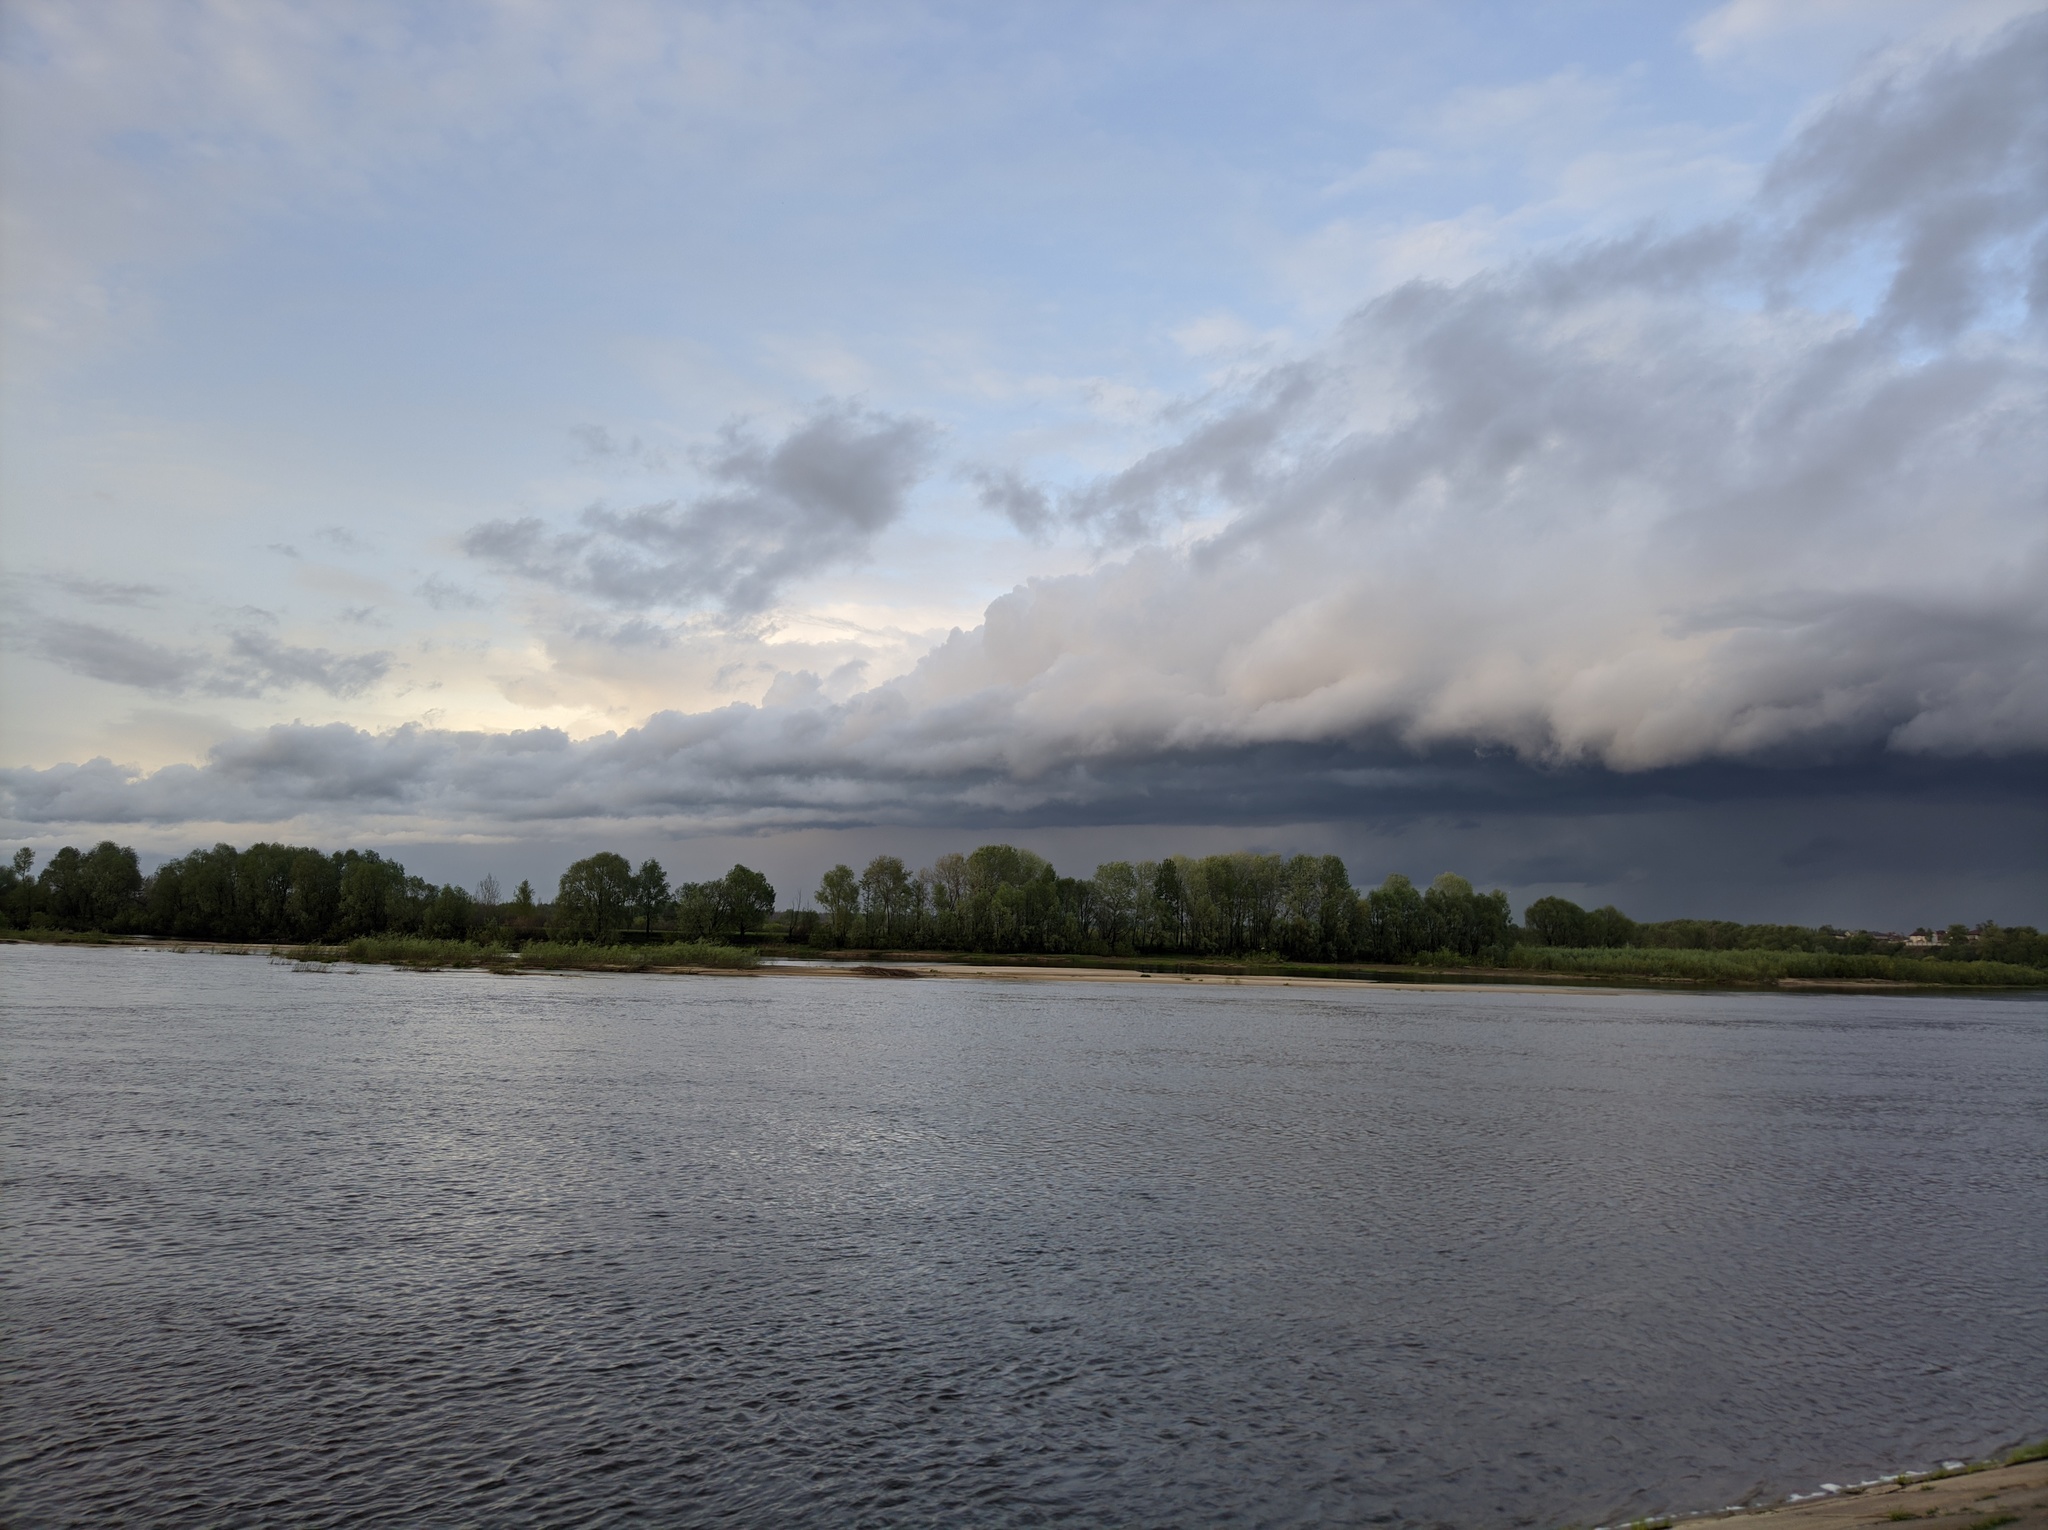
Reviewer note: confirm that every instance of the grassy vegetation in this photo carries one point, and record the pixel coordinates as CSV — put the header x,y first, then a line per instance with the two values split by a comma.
x,y
1649,965
695,953
1621,964
58,937
2038,1451
405,951
1767,966
408,951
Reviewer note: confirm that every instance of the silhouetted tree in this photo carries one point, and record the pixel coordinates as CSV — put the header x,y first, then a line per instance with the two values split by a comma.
x,y
651,896
745,899
593,897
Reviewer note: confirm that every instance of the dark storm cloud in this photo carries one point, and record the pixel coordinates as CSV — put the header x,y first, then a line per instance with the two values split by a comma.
x,y
1875,837
812,501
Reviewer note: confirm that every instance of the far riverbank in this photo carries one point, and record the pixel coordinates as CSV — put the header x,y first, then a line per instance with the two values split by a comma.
x,y
706,958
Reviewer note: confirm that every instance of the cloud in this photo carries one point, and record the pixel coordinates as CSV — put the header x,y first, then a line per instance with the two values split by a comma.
x,y
86,648
1758,34
444,594
1945,164
771,514
105,592
1024,504
804,765
254,665
1608,506
597,446
258,663
1641,512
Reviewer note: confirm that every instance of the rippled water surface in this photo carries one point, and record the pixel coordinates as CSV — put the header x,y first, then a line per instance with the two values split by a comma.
x,y
380,1247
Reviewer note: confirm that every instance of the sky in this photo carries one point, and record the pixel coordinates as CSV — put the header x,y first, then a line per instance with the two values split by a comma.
x,y
1599,448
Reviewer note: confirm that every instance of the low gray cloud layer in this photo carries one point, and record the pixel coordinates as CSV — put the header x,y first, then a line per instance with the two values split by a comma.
x,y
814,500
1767,495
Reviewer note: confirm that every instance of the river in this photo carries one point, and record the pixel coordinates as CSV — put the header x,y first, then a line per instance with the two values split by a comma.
x,y
373,1247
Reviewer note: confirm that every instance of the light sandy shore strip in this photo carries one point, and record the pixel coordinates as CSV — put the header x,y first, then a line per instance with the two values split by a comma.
x,y
1007,974
2011,1497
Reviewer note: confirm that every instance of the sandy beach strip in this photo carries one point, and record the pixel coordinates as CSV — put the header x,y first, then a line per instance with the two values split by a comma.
x,y
1158,979
1994,1498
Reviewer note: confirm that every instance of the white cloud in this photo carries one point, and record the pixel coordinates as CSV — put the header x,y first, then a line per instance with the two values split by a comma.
x,y
1757,33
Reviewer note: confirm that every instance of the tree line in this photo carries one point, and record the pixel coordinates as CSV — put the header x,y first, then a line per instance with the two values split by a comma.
x,y
297,893
998,898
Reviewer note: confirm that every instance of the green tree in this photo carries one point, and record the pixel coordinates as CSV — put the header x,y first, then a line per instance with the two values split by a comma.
x,y
18,888
2022,944
97,889
372,894
521,914
1560,922
1392,919
950,881
449,915
1555,921
700,907
1170,896
651,895
593,897
1611,927
745,899
1116,904
885,889
839,896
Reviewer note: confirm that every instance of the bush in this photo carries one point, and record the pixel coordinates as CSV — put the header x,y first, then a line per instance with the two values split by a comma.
x,y
554,954
541,955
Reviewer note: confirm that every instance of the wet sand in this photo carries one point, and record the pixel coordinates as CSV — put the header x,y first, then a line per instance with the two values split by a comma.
x,y
2014,1497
